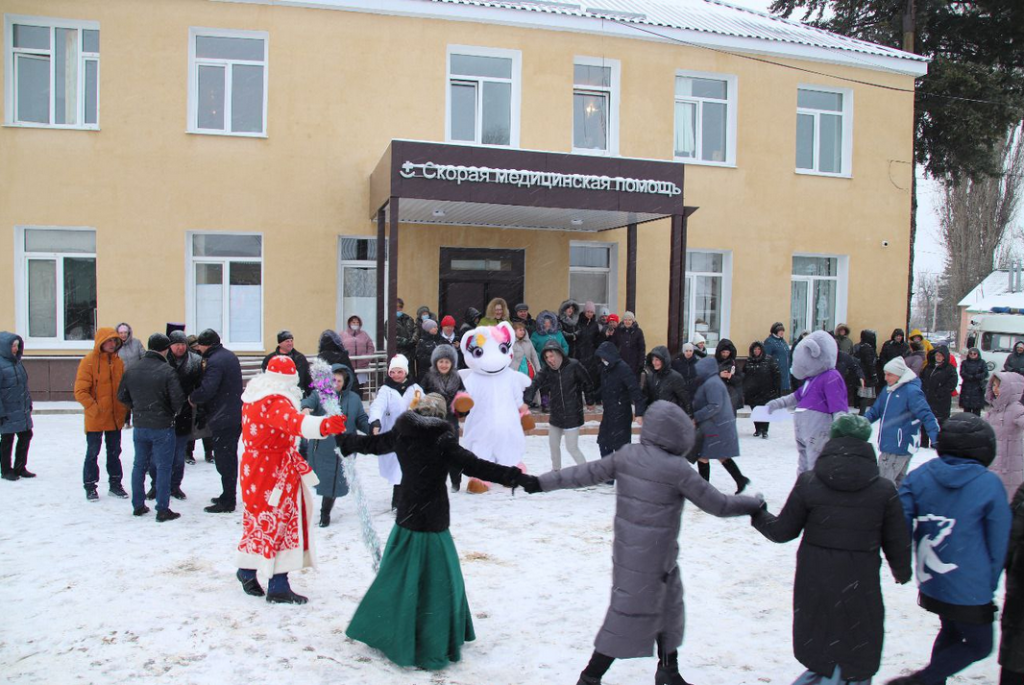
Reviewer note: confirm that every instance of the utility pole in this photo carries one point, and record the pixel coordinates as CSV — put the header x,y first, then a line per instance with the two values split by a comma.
x,y
909,41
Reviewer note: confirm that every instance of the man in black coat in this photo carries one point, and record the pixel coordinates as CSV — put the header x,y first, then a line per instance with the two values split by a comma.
x,y
286,348
620,393
895,346
853,375
938,380
588,337
188,367
846,513
150,388
629,339
867,356
568,385
661,382
221,392
762,382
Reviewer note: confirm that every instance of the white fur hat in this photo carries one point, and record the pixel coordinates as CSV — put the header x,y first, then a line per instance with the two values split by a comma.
x,y
896,367
697,339
399,362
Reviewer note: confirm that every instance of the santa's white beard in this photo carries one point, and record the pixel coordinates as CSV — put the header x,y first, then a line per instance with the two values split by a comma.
x,y
267,384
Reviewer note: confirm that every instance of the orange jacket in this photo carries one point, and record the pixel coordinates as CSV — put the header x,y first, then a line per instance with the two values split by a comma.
x,y
96,383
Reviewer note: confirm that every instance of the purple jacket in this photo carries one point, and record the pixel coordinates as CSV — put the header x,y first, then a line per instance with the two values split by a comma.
x,y
825,393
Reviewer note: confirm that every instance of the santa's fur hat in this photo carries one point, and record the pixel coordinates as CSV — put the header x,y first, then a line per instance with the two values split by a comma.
x,y
280,378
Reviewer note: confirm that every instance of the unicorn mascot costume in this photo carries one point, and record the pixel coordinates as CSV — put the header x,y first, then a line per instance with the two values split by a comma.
x,y
494,429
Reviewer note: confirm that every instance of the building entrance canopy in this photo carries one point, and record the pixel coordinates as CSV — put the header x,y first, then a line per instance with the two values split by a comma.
x,y
458,185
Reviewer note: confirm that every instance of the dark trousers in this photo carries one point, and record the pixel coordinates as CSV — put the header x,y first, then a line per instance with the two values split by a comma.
x,y
225,456
153,447
207,446
20,453
177,465
957,646
761,427
1010,678
91,470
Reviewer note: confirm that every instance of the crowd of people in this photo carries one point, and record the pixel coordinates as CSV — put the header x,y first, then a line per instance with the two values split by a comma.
x,y
849,503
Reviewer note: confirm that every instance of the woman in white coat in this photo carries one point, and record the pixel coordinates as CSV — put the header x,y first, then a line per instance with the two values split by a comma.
x,y
392,400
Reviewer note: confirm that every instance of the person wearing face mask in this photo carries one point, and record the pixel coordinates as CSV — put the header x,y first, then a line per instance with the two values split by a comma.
x,y
974,373
407,327
359,344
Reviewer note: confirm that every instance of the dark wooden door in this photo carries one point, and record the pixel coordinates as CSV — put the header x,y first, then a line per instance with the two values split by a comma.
x,y
472,277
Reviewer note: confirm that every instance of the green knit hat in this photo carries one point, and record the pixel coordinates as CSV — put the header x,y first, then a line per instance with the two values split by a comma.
x,y
851,425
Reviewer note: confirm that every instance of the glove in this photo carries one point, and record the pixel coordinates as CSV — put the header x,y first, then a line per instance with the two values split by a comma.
x,y
529,483
774,405
332,425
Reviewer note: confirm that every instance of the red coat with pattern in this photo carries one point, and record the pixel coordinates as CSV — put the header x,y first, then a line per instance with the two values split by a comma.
x,y
276,484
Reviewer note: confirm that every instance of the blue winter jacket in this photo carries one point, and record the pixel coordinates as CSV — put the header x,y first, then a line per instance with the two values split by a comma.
x,y
902,412
777,349
15,400
958,516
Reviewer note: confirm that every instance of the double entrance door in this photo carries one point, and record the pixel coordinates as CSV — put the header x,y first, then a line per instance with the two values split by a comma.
x,y
472,277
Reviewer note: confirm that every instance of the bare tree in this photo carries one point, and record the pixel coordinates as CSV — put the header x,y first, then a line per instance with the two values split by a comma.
x,y
976,216
926,301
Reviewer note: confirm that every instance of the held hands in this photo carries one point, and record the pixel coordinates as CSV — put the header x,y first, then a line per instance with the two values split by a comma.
x,y
529,483
332,425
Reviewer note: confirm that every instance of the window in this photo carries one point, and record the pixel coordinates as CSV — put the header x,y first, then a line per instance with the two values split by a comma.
x,y
1000,342
56,284
707,295
357,282
483,96
817,294
227,287
705,118
593,273
824,131
52,72
595,105
227,82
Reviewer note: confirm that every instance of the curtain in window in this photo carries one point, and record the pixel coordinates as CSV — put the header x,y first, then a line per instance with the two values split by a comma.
x,y
686,129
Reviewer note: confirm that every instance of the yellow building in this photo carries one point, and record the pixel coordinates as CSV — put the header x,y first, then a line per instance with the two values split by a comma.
x,y
210,163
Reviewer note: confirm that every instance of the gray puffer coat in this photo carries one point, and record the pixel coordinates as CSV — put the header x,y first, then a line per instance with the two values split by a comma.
x,y
712,410
15,400
653,481
1007,419
131,350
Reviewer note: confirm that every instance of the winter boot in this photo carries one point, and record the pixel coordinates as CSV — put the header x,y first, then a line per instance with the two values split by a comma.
x,y
595,670
25,473
151,493
325,511
117,491
279,592
10,476
91,495
704,469
166,515
176,493
141,511
911,679
668,670
251,586
588,680
219,508
741,481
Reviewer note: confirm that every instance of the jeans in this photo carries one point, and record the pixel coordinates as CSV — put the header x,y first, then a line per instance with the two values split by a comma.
x,y
572,444
178,464
957,646
20,453
153,446
225,456
91,470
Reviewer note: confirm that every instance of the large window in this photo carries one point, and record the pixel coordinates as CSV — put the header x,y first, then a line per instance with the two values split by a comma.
x,y
817,293
357,282
824,125
705,118
56,286
592,273
227,82
227,287
706,299
483,96
595,105
52,72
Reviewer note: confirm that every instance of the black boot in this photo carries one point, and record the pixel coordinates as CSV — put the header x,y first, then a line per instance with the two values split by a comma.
x,y
250,584
325,511
741,481
668,669
595,670
704,469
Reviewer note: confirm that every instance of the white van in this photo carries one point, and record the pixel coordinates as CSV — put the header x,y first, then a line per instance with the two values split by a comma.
x,y
995,335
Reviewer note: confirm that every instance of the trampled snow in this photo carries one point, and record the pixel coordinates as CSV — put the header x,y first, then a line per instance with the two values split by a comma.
x,y
91,594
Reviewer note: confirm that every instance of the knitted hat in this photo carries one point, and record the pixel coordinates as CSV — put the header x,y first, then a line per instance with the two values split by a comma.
x,y
967,436
429,324
589,307
896,366
282,368
178,338
522,307
777,326
399,361
208,337
158,342
629,315
448,321
431,404
851,426
698,339
284,335
688,347
613,318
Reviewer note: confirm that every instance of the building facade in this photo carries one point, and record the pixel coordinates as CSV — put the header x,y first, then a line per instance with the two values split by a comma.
x,y
209,163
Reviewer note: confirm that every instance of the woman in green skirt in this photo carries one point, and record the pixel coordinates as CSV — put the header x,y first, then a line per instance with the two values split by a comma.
x,y
416,610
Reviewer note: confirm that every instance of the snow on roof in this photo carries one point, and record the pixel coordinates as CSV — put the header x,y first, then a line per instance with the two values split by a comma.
x,y
996,283
1007,303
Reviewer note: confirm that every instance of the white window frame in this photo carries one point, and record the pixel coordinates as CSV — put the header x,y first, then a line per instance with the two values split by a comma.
x,y
193,79
731,108
846,170
842,279
612,271
516,103
691,293
190,288
611,92
21,257
340,316
10,89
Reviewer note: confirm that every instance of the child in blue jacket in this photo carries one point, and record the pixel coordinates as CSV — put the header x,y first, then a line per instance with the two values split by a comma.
x,y
957,513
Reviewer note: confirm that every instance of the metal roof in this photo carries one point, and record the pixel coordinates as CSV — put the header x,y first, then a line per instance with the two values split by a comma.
x,y
703,16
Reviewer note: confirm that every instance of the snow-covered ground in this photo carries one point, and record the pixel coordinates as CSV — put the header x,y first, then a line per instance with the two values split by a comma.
x,y
90,594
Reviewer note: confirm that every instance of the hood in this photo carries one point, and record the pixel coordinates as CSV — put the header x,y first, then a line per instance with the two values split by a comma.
x,y
661,352
898,331
103,335
424,429
955,472
847,464
1018,348
609,352
553,346
868,337
725,344
814,355
668,428
544,316
1011,388
706,368
505,315
750,350
472,316
131,333
944,351
571,320
967,357
330,341
916,332
444,351
6,340
843,330
420,311
349,376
